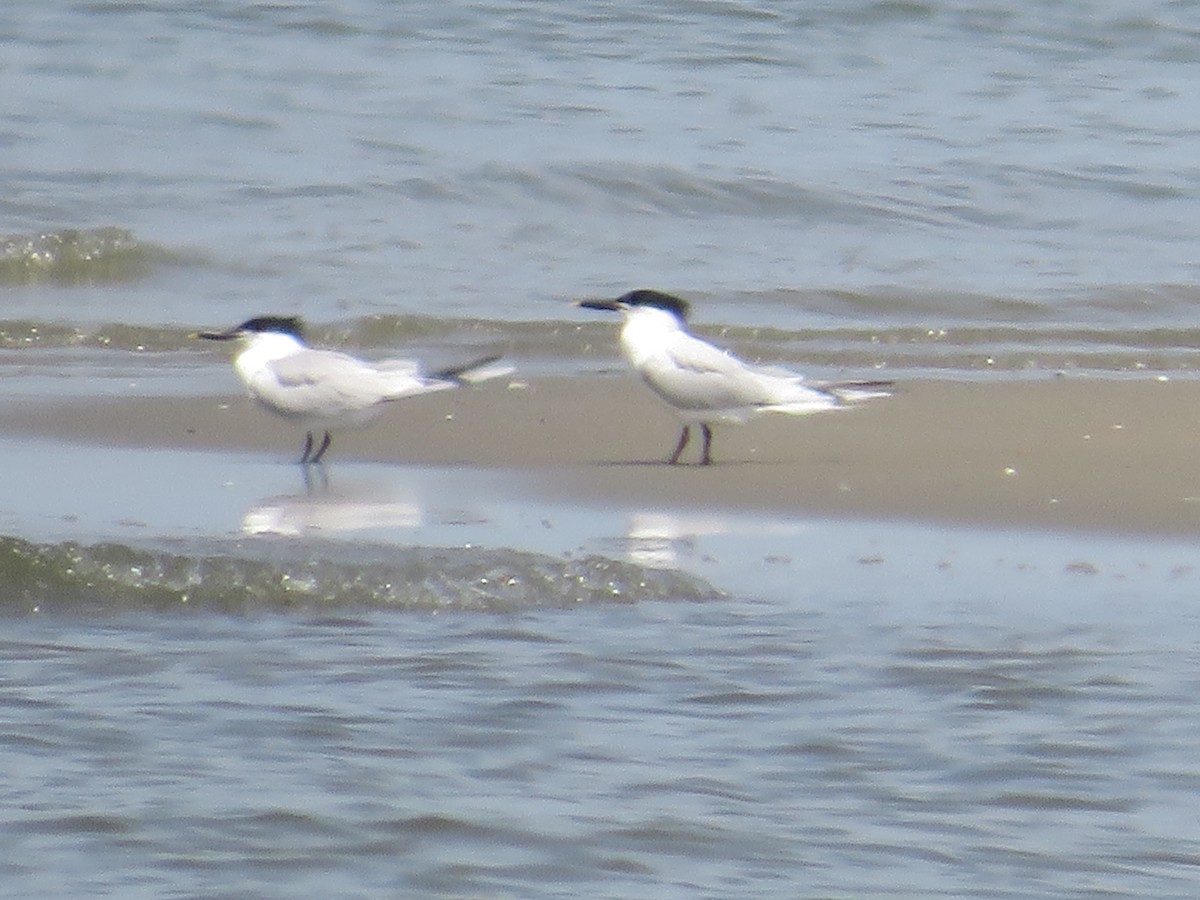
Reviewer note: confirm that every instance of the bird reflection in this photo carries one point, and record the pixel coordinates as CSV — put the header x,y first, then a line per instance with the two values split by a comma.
x,y
660,539
320,509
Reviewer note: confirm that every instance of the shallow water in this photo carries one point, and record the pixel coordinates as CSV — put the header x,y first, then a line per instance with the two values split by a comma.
x,y
252,686
847,185
837,743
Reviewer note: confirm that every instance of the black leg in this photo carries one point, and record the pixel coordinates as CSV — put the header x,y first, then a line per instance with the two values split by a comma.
x,y
307,448
324,446
683,442
706,455
315,483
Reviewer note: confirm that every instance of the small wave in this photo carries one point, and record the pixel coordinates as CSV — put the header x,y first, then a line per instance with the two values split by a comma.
x,y
676,191
1117,330
72,578
72,256
952,344
369,334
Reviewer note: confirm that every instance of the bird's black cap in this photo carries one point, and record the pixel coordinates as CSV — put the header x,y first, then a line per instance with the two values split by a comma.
x,y
259,325
656,299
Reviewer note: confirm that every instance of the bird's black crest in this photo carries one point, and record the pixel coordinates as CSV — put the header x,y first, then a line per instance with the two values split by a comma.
x,y
659,300
283,324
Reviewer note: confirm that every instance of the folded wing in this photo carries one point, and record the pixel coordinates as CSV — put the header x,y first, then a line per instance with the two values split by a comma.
x,y
692,374
324,383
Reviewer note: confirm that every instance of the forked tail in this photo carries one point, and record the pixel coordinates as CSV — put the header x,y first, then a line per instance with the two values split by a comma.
x,y
474,372
855,391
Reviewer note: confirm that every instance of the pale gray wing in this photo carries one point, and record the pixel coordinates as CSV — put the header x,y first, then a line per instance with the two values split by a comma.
x,y
402,378
309,367
402,368
694,375
321,383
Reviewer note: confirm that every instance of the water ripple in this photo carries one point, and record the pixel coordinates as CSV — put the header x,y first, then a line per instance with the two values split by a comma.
x,y
74,256
110,578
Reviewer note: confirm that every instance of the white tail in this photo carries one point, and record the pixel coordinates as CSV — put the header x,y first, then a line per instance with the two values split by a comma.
x,y
475,372
856,391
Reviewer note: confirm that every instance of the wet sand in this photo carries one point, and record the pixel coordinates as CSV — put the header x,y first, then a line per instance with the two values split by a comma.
x,y
1075,454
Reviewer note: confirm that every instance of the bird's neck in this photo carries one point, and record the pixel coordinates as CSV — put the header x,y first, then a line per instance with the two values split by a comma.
x,y
263,349
645,334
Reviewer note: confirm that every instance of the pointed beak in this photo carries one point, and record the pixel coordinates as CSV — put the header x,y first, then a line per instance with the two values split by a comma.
x,y
608,305
214,335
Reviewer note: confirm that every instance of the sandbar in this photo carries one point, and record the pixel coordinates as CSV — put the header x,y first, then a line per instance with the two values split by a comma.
x,y
1069,453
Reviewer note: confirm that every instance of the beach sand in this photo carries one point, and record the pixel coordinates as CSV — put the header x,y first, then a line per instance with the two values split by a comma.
x,y
1066,453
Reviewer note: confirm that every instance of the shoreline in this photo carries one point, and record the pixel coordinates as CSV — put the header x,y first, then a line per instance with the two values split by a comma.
x,y
1062,454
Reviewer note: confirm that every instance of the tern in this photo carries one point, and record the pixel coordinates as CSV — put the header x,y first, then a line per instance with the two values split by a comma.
x,y
324,390
707,385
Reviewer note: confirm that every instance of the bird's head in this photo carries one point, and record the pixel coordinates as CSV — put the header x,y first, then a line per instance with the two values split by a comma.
x,y
286,325
642,299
